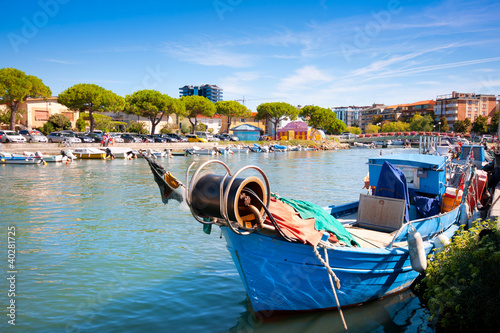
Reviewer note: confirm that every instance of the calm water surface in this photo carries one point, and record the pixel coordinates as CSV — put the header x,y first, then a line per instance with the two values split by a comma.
x,y
97,251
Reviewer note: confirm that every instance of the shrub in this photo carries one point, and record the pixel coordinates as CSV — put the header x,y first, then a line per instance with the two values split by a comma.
x,y
463,281
60,122
137,127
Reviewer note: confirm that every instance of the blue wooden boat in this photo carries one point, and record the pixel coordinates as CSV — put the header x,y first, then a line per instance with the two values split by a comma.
x,y
7,158
375,251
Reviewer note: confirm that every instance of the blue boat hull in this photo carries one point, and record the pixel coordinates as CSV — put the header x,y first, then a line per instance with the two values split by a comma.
x,y
284,276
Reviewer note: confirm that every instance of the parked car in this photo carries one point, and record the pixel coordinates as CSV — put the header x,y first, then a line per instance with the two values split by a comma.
x,y
12,137
84,137
157,138
167,138
487,138
130,138
61,136
205,135
229,137
97,137
195,138
178,137
117,138
145,138
33,136
164,137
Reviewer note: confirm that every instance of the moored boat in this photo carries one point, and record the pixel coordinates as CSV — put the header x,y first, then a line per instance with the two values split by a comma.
x,y
89,153
7,158
292,255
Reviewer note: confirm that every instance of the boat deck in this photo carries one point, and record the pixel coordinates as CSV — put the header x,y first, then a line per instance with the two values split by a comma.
x,y
368,238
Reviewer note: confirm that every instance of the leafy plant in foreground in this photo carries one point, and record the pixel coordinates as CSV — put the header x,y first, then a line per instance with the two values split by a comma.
x,y
463,281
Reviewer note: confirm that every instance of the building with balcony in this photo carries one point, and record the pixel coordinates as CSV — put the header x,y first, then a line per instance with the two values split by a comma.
x,y
366,115
210,91
349,114
459,106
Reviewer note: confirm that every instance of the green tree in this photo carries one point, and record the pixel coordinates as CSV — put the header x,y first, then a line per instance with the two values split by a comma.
x,y
354,130
444,124
395,126
197,106
460,127
86,97
16,87
137,127
494,123
232,109
153,105
370,128
276,112
421,123
59,122
317,117
81,123
480,125
377,119
336,126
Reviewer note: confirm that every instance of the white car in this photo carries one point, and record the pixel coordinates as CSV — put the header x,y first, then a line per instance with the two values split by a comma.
x,y
12,137
33,136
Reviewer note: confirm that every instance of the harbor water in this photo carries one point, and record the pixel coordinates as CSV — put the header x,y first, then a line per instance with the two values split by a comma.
x,y
97,250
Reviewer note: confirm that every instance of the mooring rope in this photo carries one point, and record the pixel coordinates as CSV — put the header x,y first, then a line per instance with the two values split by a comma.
x,y
337,281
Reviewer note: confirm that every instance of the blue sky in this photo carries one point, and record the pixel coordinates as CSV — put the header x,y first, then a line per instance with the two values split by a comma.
x,y
326,53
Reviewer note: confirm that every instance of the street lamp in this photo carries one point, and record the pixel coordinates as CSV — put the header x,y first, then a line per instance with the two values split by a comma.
x,y
439,128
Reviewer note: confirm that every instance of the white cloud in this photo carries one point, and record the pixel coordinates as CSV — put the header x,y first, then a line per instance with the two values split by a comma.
x,y
305,78
208,54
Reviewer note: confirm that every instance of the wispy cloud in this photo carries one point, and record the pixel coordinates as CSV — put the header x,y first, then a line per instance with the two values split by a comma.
x,y
304,78
208,54
58,61
239,84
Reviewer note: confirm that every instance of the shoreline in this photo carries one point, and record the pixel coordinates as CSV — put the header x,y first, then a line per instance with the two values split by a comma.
x,y
55,148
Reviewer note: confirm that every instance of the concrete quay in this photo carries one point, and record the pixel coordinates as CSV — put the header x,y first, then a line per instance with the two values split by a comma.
x,y
55,148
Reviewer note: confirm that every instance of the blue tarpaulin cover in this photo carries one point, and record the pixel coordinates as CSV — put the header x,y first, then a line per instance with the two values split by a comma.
x,y
392,184
426,206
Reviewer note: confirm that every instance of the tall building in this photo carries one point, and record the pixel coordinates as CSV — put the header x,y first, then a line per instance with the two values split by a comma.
x,y
366,115
349,114
210,91
458,106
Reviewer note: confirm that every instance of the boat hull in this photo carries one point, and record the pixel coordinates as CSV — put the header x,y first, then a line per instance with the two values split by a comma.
x,y
284,276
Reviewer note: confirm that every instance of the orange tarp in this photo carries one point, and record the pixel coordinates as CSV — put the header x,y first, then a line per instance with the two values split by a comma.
x,y
292,224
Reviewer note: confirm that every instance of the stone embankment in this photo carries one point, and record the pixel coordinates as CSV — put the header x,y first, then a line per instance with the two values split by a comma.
x,y
55,148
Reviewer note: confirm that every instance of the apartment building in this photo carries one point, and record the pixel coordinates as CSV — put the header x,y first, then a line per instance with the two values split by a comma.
x,y
210,91
349,114
366,115
459,106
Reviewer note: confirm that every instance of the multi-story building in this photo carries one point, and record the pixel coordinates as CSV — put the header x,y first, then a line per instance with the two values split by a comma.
x,y
459,106
38,111
421,107
349,114
366,115
210,91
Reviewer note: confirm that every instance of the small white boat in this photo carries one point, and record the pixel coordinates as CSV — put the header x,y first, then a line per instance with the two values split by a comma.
x,y
49,158
201,151
89,153
119,152
240,149
7,158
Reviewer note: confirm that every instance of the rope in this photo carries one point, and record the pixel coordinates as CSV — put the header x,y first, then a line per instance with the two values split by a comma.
x,y
337,281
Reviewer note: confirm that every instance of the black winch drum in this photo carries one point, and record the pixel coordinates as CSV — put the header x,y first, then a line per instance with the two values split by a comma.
x,y
206,197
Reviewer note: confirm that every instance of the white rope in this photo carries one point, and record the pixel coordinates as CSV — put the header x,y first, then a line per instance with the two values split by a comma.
x,y
337,281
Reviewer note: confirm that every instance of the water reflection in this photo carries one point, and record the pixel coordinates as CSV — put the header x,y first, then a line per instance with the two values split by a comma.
x,y
98,251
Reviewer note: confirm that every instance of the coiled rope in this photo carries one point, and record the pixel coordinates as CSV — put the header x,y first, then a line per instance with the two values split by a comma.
x,y
337,281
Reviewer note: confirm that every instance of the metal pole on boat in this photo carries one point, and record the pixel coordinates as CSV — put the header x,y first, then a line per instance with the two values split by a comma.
x,y
420,144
